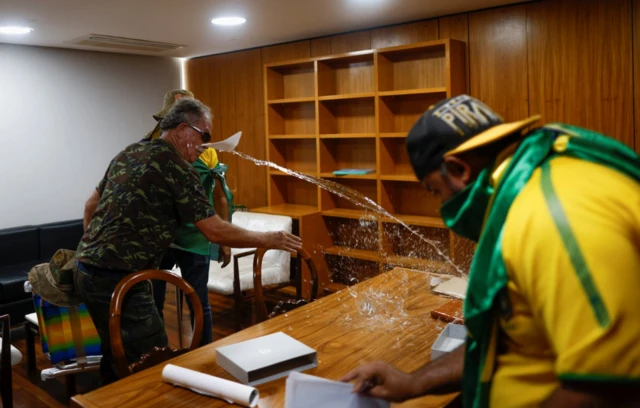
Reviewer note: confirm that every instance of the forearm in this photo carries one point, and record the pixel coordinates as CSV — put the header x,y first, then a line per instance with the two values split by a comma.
x,y
441,376
221,204
224,233
90,208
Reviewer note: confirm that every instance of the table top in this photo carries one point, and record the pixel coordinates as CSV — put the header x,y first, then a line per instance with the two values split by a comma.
x,y
384,318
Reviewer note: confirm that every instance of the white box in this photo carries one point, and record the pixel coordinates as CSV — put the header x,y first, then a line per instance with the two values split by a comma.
x,y
265,358
452,337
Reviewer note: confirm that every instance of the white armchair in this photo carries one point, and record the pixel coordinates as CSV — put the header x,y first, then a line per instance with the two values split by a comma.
x,y
238,276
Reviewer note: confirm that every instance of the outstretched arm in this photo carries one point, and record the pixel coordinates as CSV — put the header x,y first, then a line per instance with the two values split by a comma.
x,y
224,233
381,380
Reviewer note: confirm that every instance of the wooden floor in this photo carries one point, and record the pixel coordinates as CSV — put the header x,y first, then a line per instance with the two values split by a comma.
x,y
29,391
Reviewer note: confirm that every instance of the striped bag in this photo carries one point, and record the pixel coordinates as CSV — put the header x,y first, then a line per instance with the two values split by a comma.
x,y
66,333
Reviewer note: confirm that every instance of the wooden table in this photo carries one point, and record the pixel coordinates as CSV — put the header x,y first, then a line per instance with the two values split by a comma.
x,y
384,318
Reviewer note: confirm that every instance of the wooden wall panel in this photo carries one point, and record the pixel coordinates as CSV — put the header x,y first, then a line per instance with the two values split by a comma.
x,y
202,78
636,70
580,64
227,117
498,51
285,52
404,34
356,41
321,47
211,95
571,60
457,27
249,118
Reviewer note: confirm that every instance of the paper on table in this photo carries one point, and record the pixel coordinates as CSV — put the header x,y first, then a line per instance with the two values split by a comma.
x,y
454,287
211,386
308,391
227,145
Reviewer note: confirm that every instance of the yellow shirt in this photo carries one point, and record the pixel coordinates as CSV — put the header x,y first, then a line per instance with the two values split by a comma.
x,y
569,320
209,157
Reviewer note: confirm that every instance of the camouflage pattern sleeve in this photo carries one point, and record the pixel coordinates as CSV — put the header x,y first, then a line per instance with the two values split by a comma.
x,y
190,201
101,185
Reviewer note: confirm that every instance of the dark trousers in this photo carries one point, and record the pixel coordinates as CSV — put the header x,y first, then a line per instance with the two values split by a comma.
x,y
195,270
141,325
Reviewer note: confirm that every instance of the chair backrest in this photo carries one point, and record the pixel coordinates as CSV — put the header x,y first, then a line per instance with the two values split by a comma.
x,y
6,389
261,307
156,355
264,223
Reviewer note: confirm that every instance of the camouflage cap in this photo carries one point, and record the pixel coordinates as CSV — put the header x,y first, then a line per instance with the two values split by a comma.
x,y
53,281
169,99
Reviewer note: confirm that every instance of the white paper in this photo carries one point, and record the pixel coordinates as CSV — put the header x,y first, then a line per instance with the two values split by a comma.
x,y
308,391
454,287
232,392
435,281
227,145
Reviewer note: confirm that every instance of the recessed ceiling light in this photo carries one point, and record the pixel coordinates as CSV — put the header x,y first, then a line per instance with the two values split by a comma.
x,y
15,30
228,21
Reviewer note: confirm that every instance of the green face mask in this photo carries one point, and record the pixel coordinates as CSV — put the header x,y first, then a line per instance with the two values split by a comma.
x,y
464,212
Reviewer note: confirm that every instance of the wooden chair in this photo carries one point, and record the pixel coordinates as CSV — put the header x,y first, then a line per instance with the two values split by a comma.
x,y
157,354
6,362
260,310
237,278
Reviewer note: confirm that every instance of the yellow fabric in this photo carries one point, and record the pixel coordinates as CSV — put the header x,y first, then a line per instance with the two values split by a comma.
x,y
209,157
494,133
552,332
155,133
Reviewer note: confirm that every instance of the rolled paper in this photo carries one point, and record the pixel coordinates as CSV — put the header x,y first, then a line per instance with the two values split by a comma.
x,y
205,384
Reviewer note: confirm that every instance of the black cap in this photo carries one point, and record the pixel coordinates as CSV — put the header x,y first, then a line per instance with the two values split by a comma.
x,y
446,125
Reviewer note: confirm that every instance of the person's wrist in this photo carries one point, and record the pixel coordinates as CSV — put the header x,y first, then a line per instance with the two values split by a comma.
x,y
268,238
419,385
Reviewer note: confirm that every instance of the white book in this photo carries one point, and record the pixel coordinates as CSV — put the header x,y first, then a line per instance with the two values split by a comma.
x,y
308,391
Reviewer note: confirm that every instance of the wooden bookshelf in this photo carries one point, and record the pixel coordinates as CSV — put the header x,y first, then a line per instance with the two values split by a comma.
x,y
354,111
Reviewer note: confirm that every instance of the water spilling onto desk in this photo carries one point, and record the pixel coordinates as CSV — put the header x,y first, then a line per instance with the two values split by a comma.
x,y
381,307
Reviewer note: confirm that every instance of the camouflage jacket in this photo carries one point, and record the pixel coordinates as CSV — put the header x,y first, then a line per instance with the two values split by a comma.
x,y
147,193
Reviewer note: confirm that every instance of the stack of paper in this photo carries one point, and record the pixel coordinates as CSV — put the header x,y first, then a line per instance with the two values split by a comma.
x,y
454,287
307,391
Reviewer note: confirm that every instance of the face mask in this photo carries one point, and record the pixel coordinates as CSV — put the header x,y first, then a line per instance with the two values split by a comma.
x,y
464,212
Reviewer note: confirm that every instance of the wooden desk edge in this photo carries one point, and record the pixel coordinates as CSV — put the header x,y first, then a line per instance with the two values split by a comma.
x,y
79,401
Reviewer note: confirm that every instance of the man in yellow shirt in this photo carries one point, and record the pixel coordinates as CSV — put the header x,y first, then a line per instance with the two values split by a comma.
x,y
551,307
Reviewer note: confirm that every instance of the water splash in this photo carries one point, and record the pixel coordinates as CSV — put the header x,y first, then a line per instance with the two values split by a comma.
x,y
354,196
285,305
380,309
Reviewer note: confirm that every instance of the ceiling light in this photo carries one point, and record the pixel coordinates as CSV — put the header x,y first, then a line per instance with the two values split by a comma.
x,y
228,21
15,30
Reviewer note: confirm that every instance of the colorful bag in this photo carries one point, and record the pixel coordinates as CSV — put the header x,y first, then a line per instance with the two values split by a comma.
x,y
67,333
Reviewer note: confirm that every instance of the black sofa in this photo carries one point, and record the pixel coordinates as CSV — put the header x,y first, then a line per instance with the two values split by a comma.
x,y
21,248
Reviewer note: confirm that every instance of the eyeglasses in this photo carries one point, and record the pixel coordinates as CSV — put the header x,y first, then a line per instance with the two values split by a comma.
x,y
206,136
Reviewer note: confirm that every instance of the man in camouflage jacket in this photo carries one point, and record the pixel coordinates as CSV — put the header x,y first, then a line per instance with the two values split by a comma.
x,y
148,191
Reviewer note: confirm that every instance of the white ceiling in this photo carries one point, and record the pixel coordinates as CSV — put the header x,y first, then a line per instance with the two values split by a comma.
x,y
187,22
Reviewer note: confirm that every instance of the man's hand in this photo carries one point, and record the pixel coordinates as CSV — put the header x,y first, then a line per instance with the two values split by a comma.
x,y
381,380
226,234
224,255
283,240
